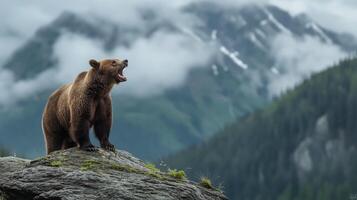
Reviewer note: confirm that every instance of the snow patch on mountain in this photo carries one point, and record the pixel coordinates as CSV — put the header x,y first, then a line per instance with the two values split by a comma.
x,y
191,33
260,33
254,39
319,31
234,57
272,19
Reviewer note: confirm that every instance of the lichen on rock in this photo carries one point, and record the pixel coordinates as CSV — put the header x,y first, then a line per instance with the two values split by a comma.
x,y
74,174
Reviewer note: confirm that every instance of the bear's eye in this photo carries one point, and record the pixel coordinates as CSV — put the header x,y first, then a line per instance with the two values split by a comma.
x,y
114,63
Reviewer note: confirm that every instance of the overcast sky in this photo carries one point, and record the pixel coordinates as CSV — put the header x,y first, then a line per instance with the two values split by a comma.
x,y
19,20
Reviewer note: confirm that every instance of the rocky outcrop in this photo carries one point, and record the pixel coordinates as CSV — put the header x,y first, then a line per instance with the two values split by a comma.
x,y
73,174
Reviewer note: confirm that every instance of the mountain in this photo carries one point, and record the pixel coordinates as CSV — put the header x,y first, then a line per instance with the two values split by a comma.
x,y
301,146
74,174
233,84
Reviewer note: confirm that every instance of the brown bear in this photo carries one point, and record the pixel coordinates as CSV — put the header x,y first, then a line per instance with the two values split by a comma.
x,y
74,108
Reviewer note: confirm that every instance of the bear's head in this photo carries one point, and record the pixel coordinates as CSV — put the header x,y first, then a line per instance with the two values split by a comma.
x,y
110,70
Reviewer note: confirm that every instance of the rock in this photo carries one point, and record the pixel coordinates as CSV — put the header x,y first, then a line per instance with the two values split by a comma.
x,y
74,174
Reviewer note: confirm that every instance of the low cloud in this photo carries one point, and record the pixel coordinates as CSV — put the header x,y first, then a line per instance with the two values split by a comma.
x,y
162,61
13,91
297,59
157,63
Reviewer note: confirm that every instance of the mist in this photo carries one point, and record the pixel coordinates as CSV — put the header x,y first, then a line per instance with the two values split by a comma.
x,y
157,63
297,59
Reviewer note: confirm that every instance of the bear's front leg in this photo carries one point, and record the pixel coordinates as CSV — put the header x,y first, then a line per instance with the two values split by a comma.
x,y
102,129
79,132
103,123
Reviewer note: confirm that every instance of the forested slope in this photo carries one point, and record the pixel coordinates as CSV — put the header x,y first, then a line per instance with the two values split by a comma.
x,y
303,146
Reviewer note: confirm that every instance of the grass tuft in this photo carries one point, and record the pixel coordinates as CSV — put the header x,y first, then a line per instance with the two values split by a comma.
x,y
153,171
177,174
206,182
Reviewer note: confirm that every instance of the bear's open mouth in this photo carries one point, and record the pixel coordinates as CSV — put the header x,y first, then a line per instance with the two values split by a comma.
x,y
120,77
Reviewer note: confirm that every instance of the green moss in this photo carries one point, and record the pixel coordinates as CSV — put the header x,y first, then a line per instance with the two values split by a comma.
x,y
206,182
89,165
56,163
125,168
50,161
153,171
177,174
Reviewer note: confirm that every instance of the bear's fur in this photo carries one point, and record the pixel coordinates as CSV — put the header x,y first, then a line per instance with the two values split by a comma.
x,y
74,108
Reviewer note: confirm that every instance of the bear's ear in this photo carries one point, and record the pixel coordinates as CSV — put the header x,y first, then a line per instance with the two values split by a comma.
x,y
95,64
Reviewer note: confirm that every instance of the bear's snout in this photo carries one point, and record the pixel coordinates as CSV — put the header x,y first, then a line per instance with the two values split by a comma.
x,y
125,62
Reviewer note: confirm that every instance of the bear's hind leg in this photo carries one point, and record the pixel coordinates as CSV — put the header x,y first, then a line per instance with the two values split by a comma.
x,y
68,143
53,146
53,137
53,142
